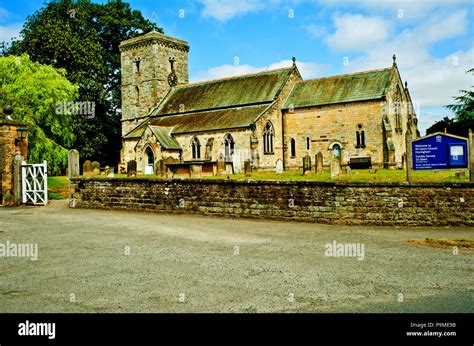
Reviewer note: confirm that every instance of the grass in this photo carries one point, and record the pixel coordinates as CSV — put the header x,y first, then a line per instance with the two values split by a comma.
x,y
366,176
58,187
435,242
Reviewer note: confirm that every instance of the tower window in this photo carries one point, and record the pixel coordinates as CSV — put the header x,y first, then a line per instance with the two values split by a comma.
x,y
268,135
360,137
228,147
137,64
137,92
196,147
293,147
308,143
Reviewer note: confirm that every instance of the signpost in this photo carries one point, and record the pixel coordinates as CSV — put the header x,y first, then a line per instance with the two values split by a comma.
x,y
440,151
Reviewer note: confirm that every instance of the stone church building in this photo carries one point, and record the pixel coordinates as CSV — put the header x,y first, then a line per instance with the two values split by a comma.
x,y
262,117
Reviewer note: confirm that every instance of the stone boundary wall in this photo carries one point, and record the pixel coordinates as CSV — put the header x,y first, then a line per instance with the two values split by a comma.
x,y
430,204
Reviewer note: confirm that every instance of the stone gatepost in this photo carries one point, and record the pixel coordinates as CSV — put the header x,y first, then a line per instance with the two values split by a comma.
x,y
13,143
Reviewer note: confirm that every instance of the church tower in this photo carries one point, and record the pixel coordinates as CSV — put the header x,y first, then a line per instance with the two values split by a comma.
x,y
151,65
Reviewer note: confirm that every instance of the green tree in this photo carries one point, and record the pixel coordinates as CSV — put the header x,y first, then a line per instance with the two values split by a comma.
x,y
463,115
34,91
84,38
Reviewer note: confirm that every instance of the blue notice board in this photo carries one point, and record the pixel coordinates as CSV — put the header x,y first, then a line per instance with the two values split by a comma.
x,y
439,151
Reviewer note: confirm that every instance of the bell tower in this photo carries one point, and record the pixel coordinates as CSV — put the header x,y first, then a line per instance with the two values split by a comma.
x,y
151,65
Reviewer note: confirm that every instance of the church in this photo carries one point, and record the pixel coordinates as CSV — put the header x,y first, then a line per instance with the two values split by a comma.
x,y
265,118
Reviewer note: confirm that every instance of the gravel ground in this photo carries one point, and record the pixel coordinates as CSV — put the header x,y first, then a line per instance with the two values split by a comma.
x,y
188,263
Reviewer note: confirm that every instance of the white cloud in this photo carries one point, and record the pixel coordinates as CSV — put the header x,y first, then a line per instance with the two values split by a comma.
x,y
357,32
432,81
308,70
316,31
223,10
408,10
9,31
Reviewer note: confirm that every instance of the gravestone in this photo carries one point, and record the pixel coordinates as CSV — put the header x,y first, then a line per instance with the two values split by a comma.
x,y
132,168
221,164
306,164
160,168
195,171
279,167
248,168
319,163
96,168
335,166
87,168
348,171
73,163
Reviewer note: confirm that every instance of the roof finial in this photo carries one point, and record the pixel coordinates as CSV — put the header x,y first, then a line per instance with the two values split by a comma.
x,y
294,61
406,85
394,58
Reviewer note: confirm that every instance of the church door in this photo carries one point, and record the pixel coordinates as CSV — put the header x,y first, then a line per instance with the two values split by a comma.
x,y
150,161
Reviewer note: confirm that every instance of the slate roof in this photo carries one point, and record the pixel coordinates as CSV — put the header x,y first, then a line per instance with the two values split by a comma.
x,y
165,138
210,120
257,88
339,89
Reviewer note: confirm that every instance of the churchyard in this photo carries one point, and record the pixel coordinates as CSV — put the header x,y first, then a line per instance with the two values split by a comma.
x,y
120,261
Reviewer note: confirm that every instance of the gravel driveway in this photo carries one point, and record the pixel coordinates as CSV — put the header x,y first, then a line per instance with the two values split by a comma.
x,y
114,261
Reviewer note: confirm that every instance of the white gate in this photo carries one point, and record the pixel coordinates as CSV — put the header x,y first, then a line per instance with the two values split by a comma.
x,y
34,183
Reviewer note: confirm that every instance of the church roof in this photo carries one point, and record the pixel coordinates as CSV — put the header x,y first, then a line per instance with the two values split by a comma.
x,y
251,89
360,86
211,120
165,138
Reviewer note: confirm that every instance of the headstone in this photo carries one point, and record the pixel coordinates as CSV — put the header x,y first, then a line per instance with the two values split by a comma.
x,y
132,168
319,163
196,171
122,168
279,167
107,170
237,162
248,168
335,166
96,168
87,168
221,166
73,163
348,171
160,168
306,164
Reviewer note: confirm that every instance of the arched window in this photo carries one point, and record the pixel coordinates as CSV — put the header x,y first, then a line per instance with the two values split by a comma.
x,y
398,107
336,150
196,147
268,135
229,145
293,147
360,137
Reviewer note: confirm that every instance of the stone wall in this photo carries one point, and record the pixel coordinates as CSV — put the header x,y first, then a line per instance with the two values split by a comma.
x,y
337,123
334,203
8,149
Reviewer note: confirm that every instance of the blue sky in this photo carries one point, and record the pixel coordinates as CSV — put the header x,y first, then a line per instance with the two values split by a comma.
x,y
433,40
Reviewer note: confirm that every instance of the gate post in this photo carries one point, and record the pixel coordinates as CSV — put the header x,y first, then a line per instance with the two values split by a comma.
x,y
17,183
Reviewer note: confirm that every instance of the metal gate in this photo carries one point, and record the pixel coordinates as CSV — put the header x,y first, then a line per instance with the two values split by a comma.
x,y
34,183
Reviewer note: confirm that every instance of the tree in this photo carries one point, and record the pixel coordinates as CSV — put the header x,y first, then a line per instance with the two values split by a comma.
x,y
33,91
84,38
463,115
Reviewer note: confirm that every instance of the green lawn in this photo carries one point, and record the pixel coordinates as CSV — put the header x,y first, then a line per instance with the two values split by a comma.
x,y
58,185
381,175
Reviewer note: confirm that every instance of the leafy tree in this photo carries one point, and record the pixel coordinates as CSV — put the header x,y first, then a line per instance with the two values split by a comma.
x,y
463,115
83,38
33,91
